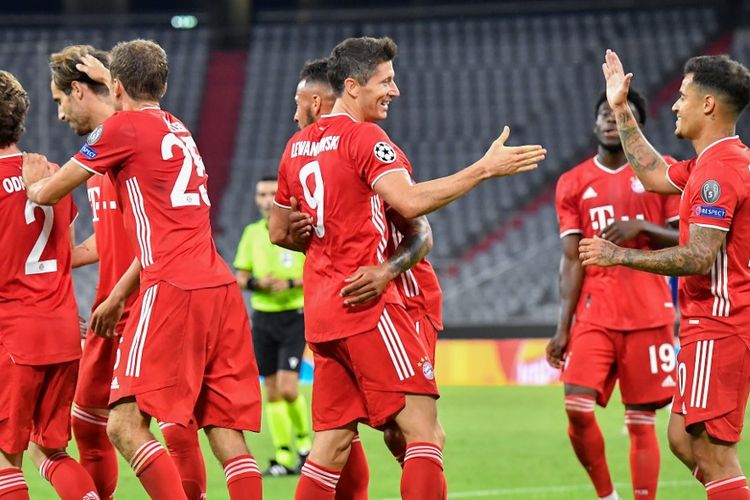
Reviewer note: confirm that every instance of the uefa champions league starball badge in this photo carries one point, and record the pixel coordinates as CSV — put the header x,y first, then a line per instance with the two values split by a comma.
x,y
384,152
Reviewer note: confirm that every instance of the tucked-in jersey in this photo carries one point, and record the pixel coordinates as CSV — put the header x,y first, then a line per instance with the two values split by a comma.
x,y
112,243
715,189
419,286
591,196
38,311
257,255
160,179
330,167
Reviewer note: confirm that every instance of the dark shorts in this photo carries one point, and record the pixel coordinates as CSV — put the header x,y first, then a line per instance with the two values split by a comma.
x,y
279,340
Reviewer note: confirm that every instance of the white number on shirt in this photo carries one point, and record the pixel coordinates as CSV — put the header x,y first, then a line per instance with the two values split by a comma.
x,y
665,355
179,196
33,264
315,199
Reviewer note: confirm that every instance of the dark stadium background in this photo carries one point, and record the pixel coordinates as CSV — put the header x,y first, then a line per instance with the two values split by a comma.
x,y
464,71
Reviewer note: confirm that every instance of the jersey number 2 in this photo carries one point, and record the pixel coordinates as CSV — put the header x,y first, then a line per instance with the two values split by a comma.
x,y
315,199
33,263
179,196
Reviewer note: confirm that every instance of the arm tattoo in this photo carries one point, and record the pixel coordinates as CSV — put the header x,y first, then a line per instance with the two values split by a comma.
x,y
641,155
413,247
694,258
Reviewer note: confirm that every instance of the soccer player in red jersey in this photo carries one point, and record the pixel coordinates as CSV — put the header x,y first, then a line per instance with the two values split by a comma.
x,y
713,365
416,281
623,336
84,104
370,364
39,334
186,351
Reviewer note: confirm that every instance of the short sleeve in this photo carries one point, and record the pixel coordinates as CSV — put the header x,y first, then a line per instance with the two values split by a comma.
x,y
566,205
714,195
678,173
283,192
374,153
108,146
243,260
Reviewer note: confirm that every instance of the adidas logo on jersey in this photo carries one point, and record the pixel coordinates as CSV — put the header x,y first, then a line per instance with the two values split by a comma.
x,y
669,382
589,193
115,384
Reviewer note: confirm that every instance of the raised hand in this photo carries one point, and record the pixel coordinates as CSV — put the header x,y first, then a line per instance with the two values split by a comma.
x,y
94,68
618,83
502,160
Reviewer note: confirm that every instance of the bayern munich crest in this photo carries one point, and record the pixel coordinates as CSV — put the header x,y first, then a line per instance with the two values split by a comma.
x,y
95,135
427,369
636,185
384,152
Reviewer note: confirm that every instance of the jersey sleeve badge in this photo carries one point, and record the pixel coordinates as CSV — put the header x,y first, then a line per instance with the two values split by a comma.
x,y
710,191
384,152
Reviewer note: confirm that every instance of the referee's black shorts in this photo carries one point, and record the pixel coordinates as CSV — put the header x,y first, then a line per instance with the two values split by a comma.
x,y
279,340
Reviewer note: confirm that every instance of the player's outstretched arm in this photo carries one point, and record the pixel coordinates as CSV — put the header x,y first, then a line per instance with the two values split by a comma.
x,y
647,163
85,253
368,282
46,188
696,257
571,279
105,317
414,200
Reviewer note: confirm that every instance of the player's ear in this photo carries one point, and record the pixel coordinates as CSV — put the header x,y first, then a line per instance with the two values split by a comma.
x,y
709,104
352,87
76,89
166,85
316,103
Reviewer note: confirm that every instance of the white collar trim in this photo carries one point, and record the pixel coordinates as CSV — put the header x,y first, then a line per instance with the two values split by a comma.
x,y
329,115
607,169
10,155
714,144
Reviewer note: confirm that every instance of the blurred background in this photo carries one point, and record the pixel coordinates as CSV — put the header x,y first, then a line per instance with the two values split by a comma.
x,y
464,71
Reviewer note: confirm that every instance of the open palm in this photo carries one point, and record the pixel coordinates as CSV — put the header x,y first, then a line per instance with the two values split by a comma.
x,y
618,83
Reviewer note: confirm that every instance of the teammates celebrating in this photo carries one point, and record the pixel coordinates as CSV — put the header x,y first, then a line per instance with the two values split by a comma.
x,y
178,347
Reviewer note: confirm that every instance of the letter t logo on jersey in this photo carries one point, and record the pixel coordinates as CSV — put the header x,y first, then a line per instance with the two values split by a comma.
x,y
602,217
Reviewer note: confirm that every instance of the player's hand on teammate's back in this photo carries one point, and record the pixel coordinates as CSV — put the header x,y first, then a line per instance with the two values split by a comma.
x,y
621,231
502,160
618,83
35,168
556,348
83,327
106,316
598,252
94,68
365,284
300,224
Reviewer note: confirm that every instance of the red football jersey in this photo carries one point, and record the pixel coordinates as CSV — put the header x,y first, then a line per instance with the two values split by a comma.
x,y
160,179
419,286
112,244
715,187
589,197
330,167
38,311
